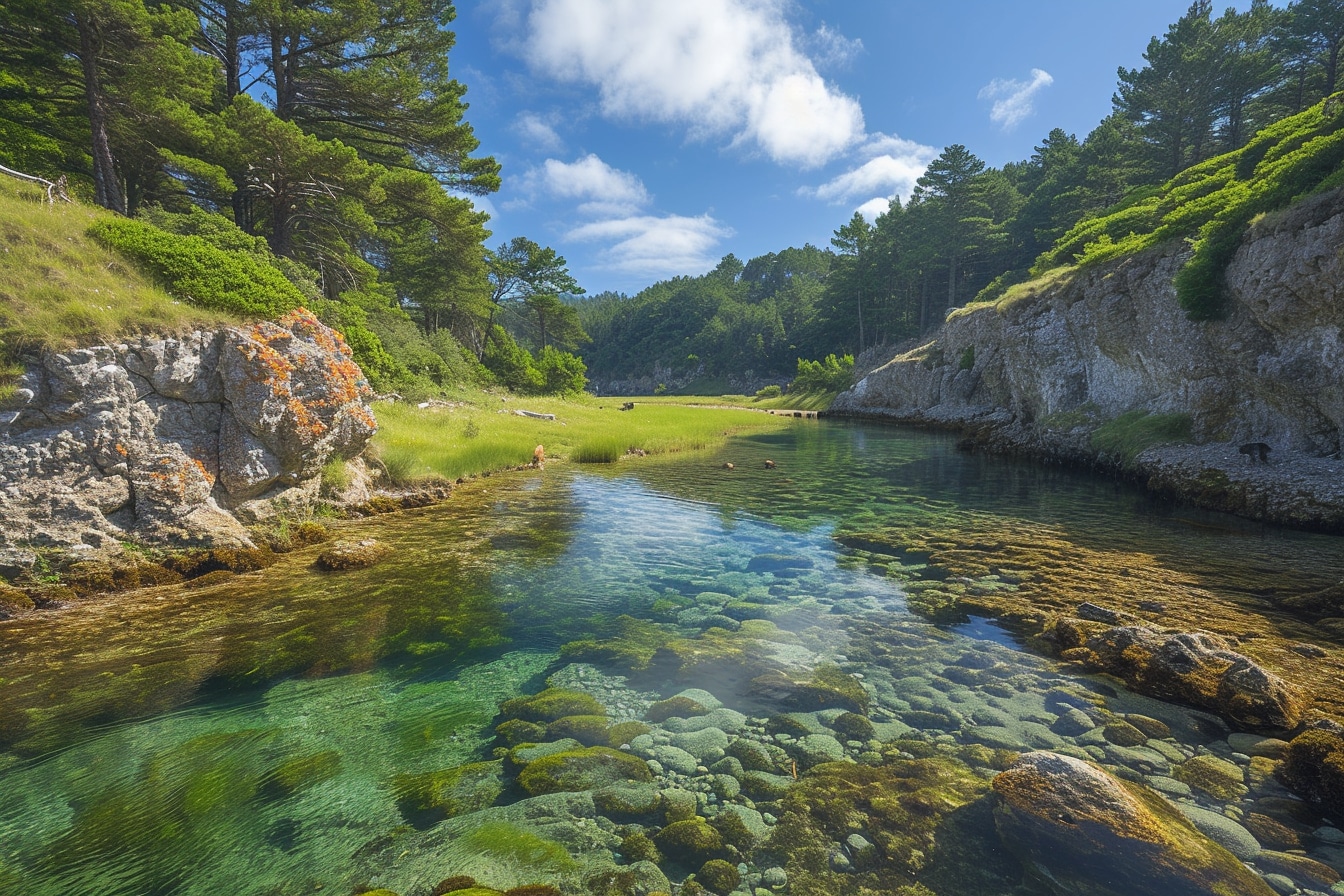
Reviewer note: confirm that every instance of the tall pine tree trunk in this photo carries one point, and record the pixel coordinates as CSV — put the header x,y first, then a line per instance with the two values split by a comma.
x,y
106,186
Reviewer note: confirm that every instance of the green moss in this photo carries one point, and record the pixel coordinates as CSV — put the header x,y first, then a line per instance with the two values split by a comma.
x,y
906,809
852,726
1314,768
591,731
681,707
586,769
718,876
1218,777
453,884
521,848
449,792
630,648
637,847
691,842
628,801
517,731
826,687
624,732
550,705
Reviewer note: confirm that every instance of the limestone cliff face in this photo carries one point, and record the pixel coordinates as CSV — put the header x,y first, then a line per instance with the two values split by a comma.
x,y
176,439
1042,372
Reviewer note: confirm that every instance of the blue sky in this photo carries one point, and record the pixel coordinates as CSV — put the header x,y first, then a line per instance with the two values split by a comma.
x,y
648,138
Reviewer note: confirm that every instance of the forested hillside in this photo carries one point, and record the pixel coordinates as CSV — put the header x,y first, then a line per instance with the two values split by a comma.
x,y
322,156
267,155
1222,122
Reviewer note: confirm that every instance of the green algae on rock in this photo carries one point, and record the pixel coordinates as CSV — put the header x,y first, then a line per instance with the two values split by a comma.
x,y
451,791
550,705
587,768
1314,768
691,842
1083,832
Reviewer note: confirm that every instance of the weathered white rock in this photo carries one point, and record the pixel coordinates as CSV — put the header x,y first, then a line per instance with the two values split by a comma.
x,y
169,438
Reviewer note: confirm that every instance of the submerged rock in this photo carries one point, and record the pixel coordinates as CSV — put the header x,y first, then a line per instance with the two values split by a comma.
x,y
1313,766
1197,668
346,554
1084,833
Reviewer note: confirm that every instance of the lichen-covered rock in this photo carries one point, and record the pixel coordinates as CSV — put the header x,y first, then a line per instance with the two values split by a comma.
x,y
550,705
175,439
1196,668
1083,833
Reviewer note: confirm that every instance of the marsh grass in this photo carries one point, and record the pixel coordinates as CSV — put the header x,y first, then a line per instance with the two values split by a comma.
x,y
416,444
59,288
1134,432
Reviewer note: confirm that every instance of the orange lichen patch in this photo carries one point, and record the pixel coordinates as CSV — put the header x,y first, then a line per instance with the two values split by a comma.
x,y
205,473
180,480
120,449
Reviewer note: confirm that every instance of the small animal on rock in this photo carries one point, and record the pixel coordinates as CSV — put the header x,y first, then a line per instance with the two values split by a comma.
x,y
769,465
539,457
1258,452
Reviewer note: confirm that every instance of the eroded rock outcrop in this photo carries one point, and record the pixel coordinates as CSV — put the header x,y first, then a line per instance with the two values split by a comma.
x,y
1082,832
1195,668
1041,371
176,439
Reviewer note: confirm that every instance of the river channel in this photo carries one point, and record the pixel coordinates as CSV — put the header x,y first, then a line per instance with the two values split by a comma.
x,y
294,731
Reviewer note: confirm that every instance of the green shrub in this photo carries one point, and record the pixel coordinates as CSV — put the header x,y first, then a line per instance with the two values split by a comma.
x,y
194,270
562,372
771,391
830,375
967,358
512,365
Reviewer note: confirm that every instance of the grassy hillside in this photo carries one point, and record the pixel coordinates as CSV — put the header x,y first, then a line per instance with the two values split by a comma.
x,y
59,287
1212,204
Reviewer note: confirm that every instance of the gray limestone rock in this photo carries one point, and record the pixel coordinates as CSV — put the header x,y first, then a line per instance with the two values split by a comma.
x,y
164,438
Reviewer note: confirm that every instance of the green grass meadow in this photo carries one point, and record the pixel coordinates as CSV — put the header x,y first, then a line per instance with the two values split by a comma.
x,y
484,434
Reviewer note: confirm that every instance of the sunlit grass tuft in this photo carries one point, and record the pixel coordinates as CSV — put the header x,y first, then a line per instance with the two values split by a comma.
x,y
601,450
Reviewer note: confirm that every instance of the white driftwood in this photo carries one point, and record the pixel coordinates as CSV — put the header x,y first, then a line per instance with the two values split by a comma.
x,y
55,188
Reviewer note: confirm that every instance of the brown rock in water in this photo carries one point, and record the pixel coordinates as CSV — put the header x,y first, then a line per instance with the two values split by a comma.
x,y
1082,832
353,554
1199,669
1314,768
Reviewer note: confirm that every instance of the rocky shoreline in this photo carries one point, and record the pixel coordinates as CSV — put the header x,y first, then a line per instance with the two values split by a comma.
x,y
1100,367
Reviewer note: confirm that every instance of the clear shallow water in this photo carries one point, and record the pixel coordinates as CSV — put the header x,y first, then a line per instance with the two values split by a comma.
x,y
248,738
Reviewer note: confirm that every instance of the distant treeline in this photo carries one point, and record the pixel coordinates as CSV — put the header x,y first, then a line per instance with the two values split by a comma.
x,y
1208,87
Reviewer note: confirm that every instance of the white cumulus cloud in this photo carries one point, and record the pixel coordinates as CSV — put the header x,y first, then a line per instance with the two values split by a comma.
x,y
717,67
872,208
599,188
536,130
1013,99
655,246
890,166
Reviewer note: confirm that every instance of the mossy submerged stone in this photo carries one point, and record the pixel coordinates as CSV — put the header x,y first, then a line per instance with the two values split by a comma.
x,y
550,705
451,792
1213,775
1090,834
591,731
719,876
584,769
691,842
513,732
628,800
1313,767
683,707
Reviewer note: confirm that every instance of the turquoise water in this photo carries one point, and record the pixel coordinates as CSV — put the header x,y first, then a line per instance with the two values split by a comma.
x,y
256,737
